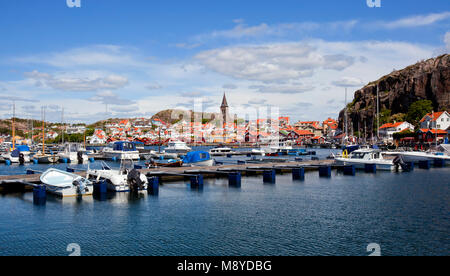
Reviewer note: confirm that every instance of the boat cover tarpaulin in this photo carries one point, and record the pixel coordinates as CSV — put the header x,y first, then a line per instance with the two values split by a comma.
x,y
196,156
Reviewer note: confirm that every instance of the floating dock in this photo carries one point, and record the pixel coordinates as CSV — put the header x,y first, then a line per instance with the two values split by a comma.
x,y
180,173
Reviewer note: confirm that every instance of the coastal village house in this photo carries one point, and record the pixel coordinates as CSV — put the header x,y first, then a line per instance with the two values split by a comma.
x,y
436,120
387,130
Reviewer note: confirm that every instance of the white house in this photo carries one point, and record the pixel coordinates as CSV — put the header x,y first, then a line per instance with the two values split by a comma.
x,y
387,130
436,120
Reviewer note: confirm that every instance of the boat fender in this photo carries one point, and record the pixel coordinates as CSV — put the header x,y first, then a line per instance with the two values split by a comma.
x,y
345,154
134,180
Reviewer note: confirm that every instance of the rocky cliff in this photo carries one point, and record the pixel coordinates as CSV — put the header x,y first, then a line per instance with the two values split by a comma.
x,y
426,80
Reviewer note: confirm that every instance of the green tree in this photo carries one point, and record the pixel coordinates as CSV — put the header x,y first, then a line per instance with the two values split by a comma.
x,y
417,110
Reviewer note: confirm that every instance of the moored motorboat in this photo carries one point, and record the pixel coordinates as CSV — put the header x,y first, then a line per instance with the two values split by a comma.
x,y
171,163
46,158
21,155
362,157
198,158
66,184
417,156
179,147
122,151
220,151
74,153
125,179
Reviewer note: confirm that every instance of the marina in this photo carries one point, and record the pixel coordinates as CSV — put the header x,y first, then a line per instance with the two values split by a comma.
x,y
243,130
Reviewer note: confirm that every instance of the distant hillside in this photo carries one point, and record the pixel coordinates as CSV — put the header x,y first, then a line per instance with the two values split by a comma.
x,y
426,83
22,126
175,115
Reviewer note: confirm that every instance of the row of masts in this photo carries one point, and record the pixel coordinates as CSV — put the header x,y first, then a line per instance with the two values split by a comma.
x,y
378,118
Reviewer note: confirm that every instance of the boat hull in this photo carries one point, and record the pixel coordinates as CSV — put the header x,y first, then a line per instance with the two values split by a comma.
x,y
132,155
206,163
381,166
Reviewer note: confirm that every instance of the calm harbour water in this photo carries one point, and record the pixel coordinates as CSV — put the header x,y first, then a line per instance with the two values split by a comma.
x,y
406,213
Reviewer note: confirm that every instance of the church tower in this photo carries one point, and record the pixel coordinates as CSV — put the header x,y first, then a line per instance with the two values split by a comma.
x,y
224,109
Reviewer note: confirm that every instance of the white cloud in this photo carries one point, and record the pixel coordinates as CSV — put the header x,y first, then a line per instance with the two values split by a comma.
x,y
93,56
294,88
348,82
110,98
447,41
271,62
69,83
415,21
229,86
242,30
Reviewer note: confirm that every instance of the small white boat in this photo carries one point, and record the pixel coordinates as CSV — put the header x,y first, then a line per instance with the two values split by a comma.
x,y
220,151
261,152
21,154
359,158
46,158
74,153
66,184
122,151
124,179
177,147
417,156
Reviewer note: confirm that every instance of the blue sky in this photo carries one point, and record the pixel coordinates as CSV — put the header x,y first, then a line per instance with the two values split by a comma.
x,y
143,56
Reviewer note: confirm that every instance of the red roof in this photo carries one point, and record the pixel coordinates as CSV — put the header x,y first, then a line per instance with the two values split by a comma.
x,y
390,125
434,116
434,131
303,132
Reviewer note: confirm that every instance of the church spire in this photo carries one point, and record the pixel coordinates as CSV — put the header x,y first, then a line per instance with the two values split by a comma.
x,y
224,101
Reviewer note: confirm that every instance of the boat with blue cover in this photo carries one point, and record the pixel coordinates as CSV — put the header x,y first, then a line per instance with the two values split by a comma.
x,y
198,158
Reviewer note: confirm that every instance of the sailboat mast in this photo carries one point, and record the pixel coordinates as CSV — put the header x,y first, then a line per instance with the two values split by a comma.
x,y
378,113
345,117
43,130
14,127
62,124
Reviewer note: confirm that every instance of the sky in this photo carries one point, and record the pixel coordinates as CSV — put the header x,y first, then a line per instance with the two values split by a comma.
x,y
117,58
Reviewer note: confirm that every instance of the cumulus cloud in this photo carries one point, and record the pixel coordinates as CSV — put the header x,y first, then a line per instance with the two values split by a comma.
x,y
283,89
271,62
110,98
229,86
348,82
154,86
192,94
66,83
415,21
96,55
447,41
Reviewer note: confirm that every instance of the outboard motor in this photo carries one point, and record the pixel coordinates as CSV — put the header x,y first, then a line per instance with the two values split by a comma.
x,y
81,186
21,159
80,157
398,162
134,180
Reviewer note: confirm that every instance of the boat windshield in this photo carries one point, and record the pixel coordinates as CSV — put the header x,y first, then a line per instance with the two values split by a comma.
x,y
358,155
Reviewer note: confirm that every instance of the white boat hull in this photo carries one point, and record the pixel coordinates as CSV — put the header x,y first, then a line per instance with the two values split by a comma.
x,y
119,155
207,163
416,157
382,166
73,157
116,182
61,183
